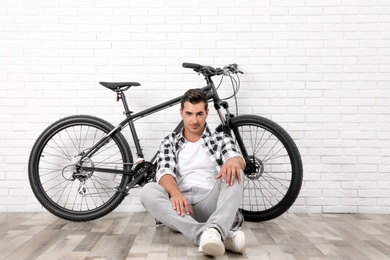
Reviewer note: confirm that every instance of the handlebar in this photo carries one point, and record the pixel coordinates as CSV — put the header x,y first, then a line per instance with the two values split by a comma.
x,y
210,71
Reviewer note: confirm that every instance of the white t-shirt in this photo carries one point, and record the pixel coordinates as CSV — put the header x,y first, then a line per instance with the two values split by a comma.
x,y
195,168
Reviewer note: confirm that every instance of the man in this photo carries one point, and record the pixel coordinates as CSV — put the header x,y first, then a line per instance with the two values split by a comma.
x,y
199,182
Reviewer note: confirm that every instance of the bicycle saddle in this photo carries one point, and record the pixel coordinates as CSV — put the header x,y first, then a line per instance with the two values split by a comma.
x,y
119,85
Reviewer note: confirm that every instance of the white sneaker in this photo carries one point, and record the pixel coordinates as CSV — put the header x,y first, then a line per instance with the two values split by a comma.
x,y
211,243
235,242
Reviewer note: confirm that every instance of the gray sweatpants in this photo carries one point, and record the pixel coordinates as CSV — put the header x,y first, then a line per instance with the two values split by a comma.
x,y
216,208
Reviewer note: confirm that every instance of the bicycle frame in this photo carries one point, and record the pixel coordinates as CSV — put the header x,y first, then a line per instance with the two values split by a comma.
x,y
211,94
81,167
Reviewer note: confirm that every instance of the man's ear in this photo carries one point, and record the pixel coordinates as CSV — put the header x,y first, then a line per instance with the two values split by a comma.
x,y
181,112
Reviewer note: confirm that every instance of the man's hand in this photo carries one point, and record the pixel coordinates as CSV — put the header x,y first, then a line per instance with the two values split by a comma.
x,y
231,170
179,202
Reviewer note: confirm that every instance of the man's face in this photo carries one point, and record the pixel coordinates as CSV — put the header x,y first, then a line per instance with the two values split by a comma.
x,y
194,117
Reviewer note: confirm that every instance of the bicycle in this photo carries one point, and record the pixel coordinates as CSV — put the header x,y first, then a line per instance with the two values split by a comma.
x,y
81,167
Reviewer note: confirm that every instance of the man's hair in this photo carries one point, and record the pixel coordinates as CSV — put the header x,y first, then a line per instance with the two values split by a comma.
x,y
194,96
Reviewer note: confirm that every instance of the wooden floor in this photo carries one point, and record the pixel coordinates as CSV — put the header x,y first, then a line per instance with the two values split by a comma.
x,y
135,236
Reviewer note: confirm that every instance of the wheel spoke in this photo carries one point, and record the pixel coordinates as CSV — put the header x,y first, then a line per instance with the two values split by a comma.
x,y
70,191
269,174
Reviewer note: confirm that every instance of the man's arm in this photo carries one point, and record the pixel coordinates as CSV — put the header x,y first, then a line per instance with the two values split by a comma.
x,y
166,174
179,202
233,161
231,170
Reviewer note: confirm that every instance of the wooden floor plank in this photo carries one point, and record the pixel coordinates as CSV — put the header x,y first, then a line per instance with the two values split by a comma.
x,y
135,236
61,247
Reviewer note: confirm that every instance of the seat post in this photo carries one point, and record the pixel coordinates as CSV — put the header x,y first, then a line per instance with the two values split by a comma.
x,y
121,96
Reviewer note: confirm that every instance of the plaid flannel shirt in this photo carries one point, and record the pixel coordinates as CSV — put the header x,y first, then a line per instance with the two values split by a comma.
x,y
218,146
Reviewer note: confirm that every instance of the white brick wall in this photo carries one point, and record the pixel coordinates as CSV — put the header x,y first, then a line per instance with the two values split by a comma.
x,y
319,68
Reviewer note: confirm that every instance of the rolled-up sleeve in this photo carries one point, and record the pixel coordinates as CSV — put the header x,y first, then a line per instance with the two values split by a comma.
x,y
166,163
229,149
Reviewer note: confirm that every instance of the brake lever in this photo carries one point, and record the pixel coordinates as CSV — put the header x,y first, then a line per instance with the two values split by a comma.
x,y
227,71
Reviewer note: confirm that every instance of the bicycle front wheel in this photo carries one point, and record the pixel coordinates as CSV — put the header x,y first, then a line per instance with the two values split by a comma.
x,y
273,173
71,193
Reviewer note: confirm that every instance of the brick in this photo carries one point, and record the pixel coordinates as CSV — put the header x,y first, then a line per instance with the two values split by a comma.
x,y
290,3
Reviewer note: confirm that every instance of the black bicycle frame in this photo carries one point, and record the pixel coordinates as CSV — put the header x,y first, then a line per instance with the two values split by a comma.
x,y
211,94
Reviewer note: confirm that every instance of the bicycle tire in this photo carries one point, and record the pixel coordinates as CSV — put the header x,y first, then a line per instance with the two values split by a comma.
x,y
90,195
274,172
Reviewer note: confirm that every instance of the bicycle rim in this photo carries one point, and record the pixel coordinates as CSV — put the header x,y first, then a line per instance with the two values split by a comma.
x,y
89,194
273,180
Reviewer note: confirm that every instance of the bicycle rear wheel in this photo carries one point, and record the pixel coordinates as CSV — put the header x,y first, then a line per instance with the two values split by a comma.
x,y
78,195
273,173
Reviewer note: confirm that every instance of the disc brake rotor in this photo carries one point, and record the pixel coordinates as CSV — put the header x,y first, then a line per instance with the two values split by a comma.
x,y
256,168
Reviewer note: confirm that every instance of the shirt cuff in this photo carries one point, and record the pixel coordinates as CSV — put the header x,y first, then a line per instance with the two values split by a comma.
x,y
229,155
164,171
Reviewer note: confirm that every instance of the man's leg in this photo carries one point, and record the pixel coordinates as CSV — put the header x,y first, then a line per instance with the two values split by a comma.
x,y
156,201
220,207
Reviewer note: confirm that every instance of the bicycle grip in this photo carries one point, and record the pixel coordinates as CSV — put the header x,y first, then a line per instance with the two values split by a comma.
x,y
192,65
